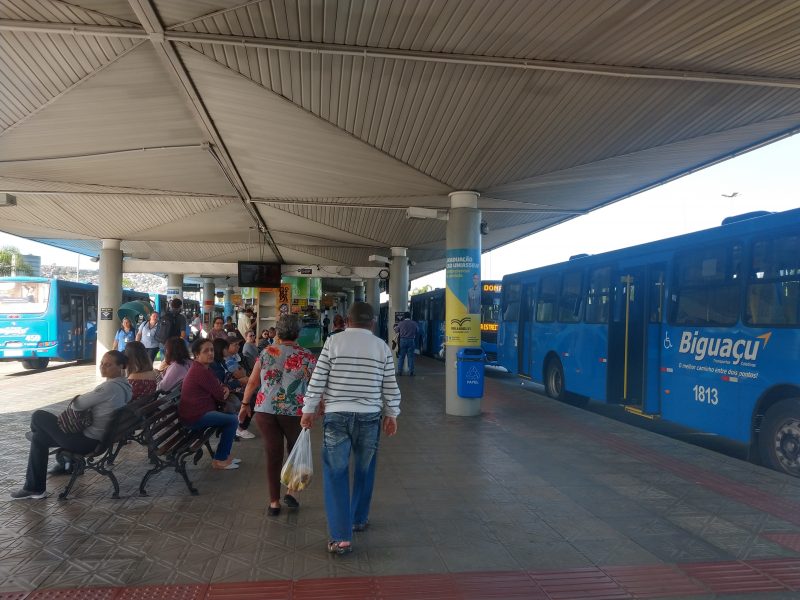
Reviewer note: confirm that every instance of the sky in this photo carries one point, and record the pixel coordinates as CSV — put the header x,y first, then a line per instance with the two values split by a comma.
x,y
763,179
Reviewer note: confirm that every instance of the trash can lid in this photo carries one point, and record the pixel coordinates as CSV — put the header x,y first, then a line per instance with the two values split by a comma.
x,y
470,353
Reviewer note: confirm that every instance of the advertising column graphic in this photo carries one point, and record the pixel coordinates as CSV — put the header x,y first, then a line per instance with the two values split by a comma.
x,y
463,298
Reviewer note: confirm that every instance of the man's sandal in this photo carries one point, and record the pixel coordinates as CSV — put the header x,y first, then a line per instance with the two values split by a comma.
x,y
337,548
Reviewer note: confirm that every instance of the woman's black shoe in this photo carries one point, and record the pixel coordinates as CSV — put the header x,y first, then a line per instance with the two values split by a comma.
x,y
273,511
291,501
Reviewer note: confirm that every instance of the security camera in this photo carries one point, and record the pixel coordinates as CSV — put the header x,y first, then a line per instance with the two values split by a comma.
x,y
484,228
95,259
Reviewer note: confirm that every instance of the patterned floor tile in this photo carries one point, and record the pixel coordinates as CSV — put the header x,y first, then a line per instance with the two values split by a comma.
x,y
522,488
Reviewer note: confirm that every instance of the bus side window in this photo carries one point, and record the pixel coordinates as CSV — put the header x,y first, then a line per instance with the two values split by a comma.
x,y
569,302
657,275
63,307
546,302
597,295
511,293
708,289
773,285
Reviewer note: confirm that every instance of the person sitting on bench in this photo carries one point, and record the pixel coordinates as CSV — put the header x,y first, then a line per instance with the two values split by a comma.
x,y
202,396
115,392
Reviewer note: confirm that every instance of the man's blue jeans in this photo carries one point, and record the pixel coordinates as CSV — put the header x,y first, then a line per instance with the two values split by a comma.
x,y
229,424
346,434
407,347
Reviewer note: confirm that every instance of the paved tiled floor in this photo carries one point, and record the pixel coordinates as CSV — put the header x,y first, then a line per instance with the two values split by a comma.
x,y
532,499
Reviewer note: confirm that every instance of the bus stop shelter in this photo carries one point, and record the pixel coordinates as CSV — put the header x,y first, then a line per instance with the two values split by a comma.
x,y
302,132
187,135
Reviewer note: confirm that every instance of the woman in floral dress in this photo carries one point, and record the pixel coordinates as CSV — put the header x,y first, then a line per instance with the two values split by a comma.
x,y
281,376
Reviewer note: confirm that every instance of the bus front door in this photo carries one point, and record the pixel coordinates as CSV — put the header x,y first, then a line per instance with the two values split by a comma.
x,y
627,339
525,341
635,338
77,314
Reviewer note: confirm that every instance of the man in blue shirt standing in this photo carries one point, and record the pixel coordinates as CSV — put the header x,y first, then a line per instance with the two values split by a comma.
x,y
407,331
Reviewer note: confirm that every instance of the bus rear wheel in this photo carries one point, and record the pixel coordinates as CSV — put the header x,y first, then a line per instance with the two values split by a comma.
x,y
35,364
779,440
554,379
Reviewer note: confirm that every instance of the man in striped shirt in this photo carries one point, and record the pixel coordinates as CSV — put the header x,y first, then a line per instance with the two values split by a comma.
x,y
355,374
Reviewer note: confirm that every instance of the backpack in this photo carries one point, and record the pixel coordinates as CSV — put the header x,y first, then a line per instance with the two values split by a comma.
x,y
166,327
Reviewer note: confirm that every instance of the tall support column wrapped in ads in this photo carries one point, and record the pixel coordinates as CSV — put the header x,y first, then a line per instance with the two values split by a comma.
x,y
462,313
109,297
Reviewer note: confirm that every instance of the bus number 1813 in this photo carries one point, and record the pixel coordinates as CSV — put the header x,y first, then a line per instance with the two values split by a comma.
x,y
706,394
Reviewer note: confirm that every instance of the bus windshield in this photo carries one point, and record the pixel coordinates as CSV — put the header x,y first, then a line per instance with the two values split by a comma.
x,y
23,297
490,301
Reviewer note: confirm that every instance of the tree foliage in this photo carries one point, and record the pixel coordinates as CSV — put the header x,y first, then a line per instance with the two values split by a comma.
x,y
421,290
12,263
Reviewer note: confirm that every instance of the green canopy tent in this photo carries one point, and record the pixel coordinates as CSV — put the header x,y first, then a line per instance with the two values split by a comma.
x,y
134,309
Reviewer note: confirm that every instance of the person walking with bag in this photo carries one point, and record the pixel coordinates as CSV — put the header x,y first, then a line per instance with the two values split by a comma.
x,y
281,375
355,374
46,430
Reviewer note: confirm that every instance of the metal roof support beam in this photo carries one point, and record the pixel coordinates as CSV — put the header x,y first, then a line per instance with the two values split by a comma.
x,y
391,53
542,209
221,269
156,33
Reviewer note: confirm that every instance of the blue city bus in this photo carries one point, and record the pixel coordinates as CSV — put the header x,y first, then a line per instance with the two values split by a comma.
x,y
428,309
159,302
43,319
491,294
702,330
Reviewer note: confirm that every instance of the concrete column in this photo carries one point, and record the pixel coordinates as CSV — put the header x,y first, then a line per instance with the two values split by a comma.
x,y
373,296
208,301
398,288
109,296
358,292
229,301
463,263
174,286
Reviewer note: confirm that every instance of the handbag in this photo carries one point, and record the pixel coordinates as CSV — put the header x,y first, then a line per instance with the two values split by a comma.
x,y
74,421
299,467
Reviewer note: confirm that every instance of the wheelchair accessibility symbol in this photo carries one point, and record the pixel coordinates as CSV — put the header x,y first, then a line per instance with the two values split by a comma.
x,y
667,341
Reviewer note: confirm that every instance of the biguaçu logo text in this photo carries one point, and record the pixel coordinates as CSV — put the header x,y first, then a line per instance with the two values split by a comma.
x,y
723,347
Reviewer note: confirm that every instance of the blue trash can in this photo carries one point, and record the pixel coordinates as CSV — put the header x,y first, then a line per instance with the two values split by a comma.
x,y
469,372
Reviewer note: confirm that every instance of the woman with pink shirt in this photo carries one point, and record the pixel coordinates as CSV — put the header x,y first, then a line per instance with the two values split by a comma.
x,y
176,364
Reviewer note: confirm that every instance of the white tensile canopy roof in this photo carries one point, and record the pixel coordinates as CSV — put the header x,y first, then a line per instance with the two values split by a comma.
x,y
301,131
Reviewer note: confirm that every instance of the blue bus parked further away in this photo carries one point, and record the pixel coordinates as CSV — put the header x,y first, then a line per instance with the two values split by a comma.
x,y
159,302
427,309
43,319
702,330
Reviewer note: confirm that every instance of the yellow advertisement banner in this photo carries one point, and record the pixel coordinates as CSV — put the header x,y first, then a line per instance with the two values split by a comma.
x,y
461,327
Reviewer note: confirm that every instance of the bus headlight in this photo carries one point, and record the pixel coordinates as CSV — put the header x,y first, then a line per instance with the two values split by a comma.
x,y
46,344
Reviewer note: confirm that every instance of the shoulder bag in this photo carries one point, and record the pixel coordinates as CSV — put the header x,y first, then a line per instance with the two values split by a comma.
x,y
74,421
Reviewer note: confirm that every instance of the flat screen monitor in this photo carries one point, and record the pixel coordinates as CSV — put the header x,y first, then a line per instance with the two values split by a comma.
x,y
259,274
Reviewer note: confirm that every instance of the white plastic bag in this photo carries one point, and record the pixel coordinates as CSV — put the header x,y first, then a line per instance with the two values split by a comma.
x,y
299,467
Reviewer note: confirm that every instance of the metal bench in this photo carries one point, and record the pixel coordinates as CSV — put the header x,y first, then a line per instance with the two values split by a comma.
x,y
170,443
123,423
